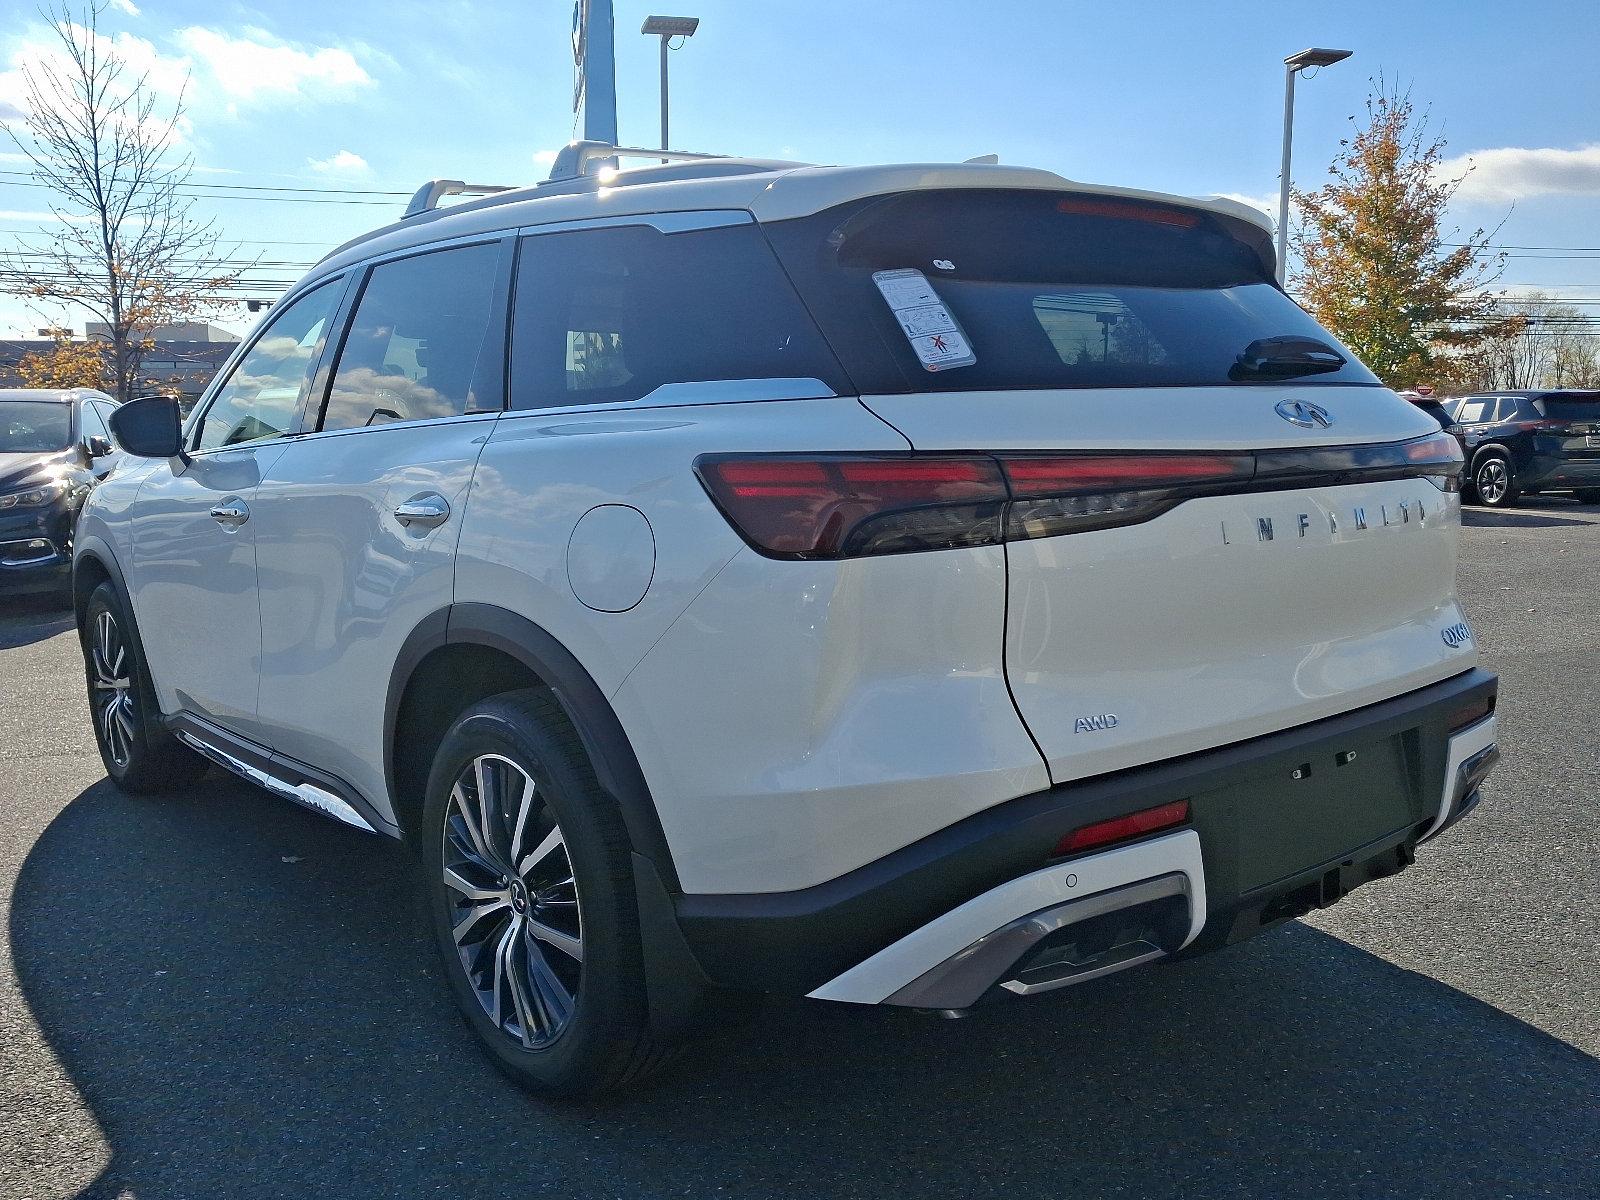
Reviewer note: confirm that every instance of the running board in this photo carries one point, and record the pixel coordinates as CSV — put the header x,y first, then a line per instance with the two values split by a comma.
x,y
271,773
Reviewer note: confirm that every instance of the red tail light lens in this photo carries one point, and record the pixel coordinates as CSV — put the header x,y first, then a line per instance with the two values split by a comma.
x,y
1127,210
846,506
1471,713
1120,829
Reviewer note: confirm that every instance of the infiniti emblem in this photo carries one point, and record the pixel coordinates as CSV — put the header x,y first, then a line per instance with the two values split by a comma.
x,y
1303,414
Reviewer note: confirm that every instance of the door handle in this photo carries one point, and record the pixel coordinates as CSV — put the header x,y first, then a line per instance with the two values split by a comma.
x,y
423,512
232,513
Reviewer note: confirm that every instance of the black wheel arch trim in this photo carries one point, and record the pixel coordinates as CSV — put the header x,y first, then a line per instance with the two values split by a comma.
x,y
585,705
95,549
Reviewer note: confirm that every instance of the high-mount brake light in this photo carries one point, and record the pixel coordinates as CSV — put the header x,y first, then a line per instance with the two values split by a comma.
x,y
1127,210
852,505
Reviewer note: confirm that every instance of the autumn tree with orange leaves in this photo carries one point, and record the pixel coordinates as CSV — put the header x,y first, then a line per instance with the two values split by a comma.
x,y
1378,263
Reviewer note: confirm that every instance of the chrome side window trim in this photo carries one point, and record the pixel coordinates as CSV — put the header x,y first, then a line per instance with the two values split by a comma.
x,y
733,391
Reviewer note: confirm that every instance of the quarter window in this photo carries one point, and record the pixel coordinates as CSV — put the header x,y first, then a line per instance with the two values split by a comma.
x,y
427,341
263,392
608,315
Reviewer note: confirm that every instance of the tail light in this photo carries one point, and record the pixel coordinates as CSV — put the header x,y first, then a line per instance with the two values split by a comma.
x,y
827,506
1471,713
1120,829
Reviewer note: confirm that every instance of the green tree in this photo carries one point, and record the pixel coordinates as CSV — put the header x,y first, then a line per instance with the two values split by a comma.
x,y
1378,263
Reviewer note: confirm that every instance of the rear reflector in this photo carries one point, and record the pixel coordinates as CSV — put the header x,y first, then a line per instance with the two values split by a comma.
x,y
1120,829
1471,713
851,505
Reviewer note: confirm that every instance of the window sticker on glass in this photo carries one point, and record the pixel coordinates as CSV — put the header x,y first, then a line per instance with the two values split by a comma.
x,y
933,333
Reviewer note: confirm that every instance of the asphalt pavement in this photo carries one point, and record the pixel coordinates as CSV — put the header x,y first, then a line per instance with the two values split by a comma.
x,y
221,995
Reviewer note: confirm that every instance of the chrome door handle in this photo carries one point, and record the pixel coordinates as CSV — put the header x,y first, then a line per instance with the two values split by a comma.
x,y
423,512
231,512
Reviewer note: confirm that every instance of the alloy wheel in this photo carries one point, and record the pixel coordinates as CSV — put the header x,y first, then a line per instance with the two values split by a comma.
x,y
1492,481
112,685
514,911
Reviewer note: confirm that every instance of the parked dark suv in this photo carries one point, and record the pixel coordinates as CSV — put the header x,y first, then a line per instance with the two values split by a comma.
x,y
54,444
1522,442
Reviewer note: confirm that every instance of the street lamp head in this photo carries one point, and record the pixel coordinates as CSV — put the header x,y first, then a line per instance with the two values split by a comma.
x,y
670,26
1316,57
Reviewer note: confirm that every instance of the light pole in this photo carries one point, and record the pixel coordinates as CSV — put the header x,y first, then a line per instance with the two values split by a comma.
x,y
667,28
1292,66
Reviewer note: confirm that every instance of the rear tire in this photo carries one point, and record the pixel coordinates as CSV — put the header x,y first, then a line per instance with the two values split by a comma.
x,y
1494,482
529,886
139,754
1588,495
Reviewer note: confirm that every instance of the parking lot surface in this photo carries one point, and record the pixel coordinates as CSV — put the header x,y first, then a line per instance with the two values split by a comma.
x,y
222,995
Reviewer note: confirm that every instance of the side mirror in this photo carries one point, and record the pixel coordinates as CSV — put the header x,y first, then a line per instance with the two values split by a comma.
x,y
150,427
97,446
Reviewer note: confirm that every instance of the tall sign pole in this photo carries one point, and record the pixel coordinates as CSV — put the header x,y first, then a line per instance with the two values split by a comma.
x,y
594,52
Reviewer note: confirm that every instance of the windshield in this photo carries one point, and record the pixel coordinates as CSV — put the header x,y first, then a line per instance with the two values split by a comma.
x,y
34,426
978,290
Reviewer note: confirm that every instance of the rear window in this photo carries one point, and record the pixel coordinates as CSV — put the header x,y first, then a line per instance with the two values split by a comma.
x,y
604,316
1041,290
1583,407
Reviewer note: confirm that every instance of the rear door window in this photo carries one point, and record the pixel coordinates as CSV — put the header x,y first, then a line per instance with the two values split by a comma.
x,y
1475,411
1049,290
603,316
427,340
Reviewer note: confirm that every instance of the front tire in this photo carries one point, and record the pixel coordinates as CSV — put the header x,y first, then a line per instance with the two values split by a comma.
x,y
1494,482
139,754
529,885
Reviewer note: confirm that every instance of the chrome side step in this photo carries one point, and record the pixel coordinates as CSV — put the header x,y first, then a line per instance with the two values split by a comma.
x,y
308,795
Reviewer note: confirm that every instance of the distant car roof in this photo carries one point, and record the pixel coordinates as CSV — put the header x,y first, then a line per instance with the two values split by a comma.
x,y
59,395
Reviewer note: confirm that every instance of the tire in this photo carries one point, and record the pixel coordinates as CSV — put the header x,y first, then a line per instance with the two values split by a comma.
x,y
139,754
1587,495
538,931
1494,482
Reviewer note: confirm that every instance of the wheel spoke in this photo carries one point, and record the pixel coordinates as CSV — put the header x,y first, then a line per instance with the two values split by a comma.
x,y
469,824
553,996
475,916
571,946
551,842
458,882
525,807
489,804
528,1021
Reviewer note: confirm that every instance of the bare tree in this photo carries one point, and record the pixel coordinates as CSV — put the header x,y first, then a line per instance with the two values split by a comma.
x,y
1538,343
124,244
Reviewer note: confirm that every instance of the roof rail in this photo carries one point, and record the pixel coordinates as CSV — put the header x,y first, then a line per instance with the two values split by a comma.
x,y
429,194
573,160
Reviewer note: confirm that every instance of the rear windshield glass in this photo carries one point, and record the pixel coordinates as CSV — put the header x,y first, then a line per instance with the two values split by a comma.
x,y
1042,290
1573,408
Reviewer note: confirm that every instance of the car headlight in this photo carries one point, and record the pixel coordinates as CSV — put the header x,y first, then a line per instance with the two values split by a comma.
x,y
44,493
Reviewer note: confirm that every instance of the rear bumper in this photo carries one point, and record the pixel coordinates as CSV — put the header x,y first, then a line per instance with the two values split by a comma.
x,y
981,906
1556,471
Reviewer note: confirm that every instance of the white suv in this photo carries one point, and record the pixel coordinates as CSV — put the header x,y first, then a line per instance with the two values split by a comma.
x,y
896,585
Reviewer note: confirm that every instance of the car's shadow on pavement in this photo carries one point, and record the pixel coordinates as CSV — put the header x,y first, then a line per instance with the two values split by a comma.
x,y
32,618
1489,518
238,991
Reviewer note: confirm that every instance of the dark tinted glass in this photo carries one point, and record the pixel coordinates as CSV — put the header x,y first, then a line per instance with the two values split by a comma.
x,y
261,395
1049,290
34,426
609,315
427,341
1584,406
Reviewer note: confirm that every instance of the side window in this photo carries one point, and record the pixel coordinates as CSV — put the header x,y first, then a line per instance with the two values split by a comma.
x,y
260,397
93,424
609,315
1474,411
427,340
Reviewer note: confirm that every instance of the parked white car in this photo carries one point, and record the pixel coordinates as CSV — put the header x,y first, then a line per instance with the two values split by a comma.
x,y
897,585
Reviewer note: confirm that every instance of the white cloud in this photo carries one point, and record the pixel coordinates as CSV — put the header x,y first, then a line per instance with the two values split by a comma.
x,y
126,6
345,162
256,66
545,158
1512,173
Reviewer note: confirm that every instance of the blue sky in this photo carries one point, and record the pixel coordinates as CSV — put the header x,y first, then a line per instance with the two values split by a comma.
x,y
384,94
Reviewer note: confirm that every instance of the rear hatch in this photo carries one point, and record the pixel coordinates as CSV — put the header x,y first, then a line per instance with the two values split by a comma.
x,y
1218,523
1571,426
